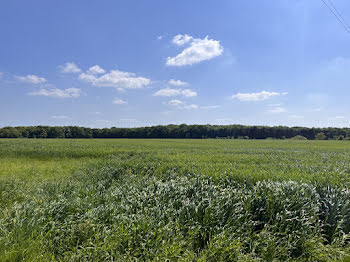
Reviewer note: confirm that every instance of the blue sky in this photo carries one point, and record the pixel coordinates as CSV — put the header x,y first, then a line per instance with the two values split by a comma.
x,y
137,63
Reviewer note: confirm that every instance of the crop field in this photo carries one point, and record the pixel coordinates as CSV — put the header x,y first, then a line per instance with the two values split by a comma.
x,y
174,200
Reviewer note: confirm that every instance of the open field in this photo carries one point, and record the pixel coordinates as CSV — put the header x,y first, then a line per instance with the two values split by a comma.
x,y
176,199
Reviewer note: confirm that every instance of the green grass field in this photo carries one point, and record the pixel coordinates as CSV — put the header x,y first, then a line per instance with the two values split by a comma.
x,y
175,200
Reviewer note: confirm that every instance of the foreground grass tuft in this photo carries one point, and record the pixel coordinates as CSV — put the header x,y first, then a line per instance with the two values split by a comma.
x,y
120,211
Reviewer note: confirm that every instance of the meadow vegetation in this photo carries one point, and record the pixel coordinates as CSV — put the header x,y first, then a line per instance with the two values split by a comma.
x,y
174,199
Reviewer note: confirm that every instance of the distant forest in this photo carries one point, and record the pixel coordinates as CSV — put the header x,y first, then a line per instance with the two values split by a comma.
x,y
178,131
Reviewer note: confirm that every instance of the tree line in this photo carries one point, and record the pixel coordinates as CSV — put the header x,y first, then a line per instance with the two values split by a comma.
x,y
178,131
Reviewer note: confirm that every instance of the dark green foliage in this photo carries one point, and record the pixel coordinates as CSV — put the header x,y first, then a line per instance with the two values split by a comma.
x,y
176,131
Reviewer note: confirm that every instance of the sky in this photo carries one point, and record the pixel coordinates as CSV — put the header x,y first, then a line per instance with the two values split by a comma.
x,y
141,63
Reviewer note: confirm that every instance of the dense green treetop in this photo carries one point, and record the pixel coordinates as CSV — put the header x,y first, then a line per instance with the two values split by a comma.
x,y
176,131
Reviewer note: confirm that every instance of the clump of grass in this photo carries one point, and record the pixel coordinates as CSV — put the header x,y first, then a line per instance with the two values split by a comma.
x,y
132,208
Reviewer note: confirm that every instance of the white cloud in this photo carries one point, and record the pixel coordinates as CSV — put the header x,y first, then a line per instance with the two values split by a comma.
x,y
276,110
183,105
59,93
339,117
210,107
95,70
198,50
116,79
175,92
60,117
192,106
70,67
176,102
33,79
174,82
119,101
181,39
162,36
87,78
167,92
121,90
263,95
275,105
188,93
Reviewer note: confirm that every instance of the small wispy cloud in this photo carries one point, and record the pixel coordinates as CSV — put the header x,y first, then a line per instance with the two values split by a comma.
x,y
162,36
188,93
58,93
60,117
181,39
210,107
277,110
175,92
174,82
183,105
176,102
259,96
167,92
32,79
69,67
191,106
119,101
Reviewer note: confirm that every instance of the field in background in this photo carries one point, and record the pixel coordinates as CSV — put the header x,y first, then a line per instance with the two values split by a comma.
x,y
229,200
28,160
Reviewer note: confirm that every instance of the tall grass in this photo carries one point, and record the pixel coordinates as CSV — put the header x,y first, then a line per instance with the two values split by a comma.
x,y
153,201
